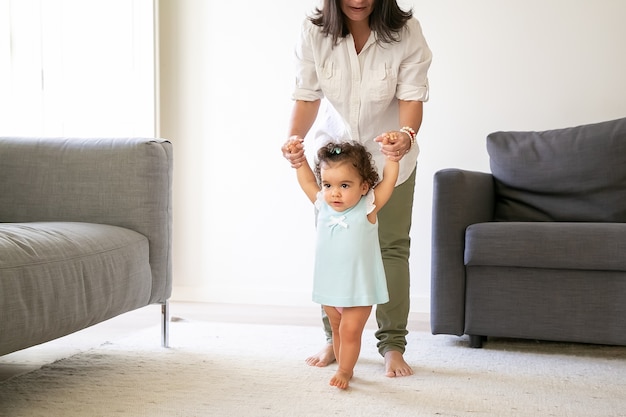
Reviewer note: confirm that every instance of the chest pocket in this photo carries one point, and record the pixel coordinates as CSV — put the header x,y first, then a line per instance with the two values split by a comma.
x,y
329,77
380,84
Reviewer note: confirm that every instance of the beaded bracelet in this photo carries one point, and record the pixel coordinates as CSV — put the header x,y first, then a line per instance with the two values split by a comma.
x,y
409,131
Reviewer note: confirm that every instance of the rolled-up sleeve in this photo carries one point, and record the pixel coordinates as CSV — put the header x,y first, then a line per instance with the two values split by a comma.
x,y
413,71
307,87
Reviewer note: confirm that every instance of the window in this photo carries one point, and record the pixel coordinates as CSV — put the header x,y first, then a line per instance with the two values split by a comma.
x,y
77,68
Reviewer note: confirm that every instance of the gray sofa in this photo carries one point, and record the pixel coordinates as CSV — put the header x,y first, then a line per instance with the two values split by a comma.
x,y
536,249
85,234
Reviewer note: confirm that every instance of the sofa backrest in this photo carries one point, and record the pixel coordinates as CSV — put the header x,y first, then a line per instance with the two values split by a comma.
x,y
124,182
574,174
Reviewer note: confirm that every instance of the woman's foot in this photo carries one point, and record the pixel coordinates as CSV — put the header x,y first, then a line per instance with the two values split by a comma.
x,y
341,379
324,357
395,365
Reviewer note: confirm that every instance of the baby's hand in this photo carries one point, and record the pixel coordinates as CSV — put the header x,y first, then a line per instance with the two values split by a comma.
x,y
388,138
392,137
389,145
293,151
292,144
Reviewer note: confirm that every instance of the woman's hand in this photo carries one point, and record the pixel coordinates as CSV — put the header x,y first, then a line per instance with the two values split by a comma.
x,y
293,151
394,144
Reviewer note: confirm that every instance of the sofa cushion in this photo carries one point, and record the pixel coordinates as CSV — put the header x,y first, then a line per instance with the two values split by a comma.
x,y
547,245
59,277
572,174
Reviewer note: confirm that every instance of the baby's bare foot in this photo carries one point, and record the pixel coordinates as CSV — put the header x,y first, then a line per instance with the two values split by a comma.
x,y
324,357
395,365
341,379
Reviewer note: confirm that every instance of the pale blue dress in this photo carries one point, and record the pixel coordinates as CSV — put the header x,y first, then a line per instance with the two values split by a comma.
x,y
348,264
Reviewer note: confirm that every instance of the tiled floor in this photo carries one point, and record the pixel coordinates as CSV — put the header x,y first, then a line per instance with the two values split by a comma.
x,y
118,327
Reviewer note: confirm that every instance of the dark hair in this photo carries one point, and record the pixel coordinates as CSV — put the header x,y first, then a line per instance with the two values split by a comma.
x,y
352,152
387,19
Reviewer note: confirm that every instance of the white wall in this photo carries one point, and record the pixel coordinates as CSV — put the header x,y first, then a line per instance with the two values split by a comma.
x,y
226,78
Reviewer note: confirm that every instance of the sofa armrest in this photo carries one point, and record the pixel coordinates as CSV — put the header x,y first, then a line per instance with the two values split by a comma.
x,y
123,182
460,198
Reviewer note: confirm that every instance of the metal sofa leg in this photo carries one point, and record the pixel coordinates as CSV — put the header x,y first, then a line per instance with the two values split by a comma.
x,y
476,341
165,324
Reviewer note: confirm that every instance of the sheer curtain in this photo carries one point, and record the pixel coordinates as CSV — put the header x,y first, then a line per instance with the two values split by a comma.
x,y
77,68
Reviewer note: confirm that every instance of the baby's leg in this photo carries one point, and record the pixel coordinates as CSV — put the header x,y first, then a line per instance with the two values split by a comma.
x,y
334,318
348,327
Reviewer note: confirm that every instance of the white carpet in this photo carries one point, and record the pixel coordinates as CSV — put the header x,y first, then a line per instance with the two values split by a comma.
x,y
236,370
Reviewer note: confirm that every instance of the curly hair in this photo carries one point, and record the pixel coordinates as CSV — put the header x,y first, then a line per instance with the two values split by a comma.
x,y
387,19
352,152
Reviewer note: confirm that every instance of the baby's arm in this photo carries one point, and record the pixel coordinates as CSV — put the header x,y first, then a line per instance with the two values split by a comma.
x,y
384,189
306,178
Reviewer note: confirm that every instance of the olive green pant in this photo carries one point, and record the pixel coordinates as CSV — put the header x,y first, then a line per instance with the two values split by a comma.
x,y
394,225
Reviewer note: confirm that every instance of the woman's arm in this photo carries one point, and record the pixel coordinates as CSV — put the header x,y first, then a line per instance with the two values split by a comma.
x,y
302,118
410,116
411,113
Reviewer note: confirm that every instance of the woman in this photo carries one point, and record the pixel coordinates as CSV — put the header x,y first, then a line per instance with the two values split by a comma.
x,y
362,75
